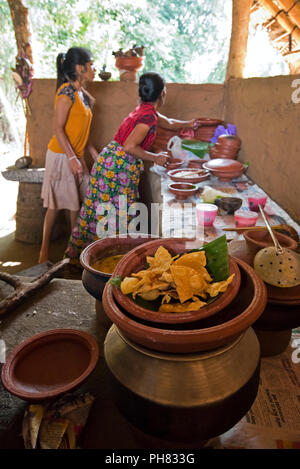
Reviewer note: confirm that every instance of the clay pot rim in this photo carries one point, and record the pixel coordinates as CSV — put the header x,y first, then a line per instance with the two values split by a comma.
x,y
220,333
189,316
192,187
87,250
20,350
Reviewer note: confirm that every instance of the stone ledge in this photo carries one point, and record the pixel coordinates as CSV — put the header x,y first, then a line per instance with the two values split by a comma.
x,y
33,175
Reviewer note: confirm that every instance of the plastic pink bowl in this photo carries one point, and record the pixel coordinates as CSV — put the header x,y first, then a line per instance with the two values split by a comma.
x,y
206,214
256,199
245,218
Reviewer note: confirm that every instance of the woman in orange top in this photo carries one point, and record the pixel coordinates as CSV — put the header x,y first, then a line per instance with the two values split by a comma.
x,y
66,173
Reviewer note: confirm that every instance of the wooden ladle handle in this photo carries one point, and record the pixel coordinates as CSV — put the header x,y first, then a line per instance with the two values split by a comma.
x,y
278,247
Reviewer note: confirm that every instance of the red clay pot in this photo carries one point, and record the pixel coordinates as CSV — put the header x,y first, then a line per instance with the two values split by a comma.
x,y
175,163
50,364
131,64
207,334
135,261
259,239
93,280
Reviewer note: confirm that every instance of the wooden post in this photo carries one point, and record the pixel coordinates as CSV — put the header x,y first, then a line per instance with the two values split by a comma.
x,y
19,15
239,38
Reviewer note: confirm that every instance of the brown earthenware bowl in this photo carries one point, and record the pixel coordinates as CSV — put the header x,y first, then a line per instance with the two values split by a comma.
x,y
196,163
182,190
50,364
129,63
197,175
93,280
174,163
259,239
209,333
225,169
136,260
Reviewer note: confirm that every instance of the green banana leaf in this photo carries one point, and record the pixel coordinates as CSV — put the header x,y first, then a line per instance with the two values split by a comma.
x,y
197,147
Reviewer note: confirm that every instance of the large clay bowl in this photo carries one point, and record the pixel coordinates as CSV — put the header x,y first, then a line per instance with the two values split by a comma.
x,y
225,169
259,239
50,364
194,178
135,261
93,280
183,190
213,332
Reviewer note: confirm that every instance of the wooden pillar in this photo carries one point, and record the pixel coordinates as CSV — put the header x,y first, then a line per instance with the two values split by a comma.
x,y
239,38
19,15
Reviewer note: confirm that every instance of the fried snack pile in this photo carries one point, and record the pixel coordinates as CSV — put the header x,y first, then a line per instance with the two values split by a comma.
x,y
180,278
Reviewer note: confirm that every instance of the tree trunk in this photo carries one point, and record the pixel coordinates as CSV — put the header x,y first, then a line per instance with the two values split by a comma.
x,y
19,15
239,38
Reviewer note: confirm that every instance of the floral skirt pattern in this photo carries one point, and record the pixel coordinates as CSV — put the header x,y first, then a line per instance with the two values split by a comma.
x,y
114,174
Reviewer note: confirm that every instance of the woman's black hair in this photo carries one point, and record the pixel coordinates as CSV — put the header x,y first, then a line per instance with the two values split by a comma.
x,y
66,64
150,87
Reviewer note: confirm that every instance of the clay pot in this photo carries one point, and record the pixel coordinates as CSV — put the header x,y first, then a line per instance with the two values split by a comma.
x,y
229,204
183,398
196,163
215,331
225,169
132,64
259,239
50,364
175,163
230,140
283,296
182,190
200,176
105,76
93,280
135,261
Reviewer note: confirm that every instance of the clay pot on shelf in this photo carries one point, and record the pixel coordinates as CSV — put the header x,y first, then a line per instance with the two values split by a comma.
x,y
128,67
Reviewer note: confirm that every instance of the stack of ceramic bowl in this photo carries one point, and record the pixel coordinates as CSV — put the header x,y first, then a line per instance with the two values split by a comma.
x,y
225,169
184,376
227,146
282,312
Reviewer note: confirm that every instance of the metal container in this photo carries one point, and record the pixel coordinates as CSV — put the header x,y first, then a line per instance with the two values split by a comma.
x,y
183,397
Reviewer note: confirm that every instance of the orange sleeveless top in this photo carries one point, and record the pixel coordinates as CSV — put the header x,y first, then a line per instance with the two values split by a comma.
x,y
78,124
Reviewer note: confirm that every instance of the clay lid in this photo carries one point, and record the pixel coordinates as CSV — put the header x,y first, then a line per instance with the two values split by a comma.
x,y
224,164
50,364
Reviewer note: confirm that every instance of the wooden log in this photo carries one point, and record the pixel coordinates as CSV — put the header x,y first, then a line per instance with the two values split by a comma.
x,y
292,8
239,38
282,18
24,289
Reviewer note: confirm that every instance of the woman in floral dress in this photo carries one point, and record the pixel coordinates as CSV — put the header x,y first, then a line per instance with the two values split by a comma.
x,y
116,172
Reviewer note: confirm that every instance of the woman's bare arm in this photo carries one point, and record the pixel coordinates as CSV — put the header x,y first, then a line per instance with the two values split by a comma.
x,y
174,124
132,145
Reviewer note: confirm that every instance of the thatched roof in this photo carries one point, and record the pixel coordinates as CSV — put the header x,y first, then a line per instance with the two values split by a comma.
x,y
281,18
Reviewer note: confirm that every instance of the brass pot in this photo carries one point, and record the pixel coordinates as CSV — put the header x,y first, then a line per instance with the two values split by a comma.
x,y
183,397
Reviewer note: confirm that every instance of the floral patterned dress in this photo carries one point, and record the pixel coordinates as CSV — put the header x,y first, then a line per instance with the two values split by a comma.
x,y
114,174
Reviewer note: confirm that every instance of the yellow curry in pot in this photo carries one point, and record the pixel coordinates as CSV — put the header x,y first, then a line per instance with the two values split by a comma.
x,y
108,264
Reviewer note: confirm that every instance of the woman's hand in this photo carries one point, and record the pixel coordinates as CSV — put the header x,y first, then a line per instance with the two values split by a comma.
x,y
162,158
75,166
